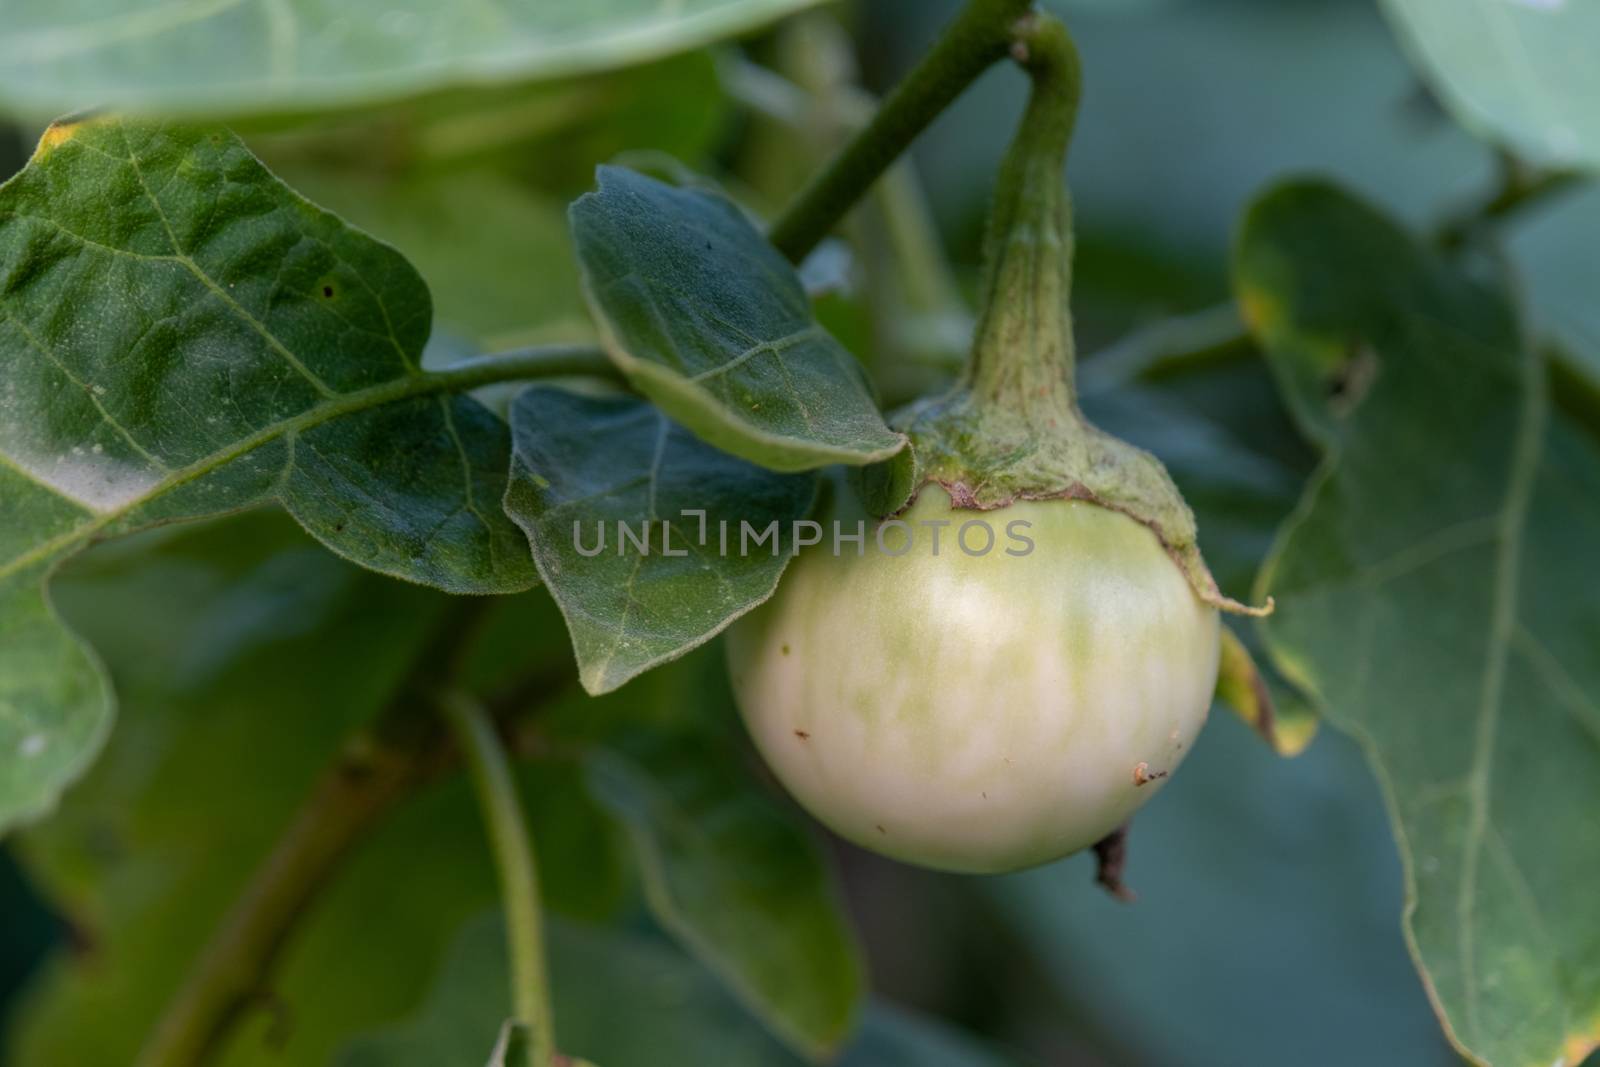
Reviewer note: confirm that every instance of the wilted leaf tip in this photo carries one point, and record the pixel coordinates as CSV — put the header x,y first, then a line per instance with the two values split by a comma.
x,y
55,135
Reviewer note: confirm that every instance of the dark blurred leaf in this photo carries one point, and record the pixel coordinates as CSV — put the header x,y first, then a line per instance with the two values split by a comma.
x,y
738,881
245,654
620,1001
627,1001
298,55
1432,601
893,1038
584,467
1521,72
709,321
547,136
1264,932
184,336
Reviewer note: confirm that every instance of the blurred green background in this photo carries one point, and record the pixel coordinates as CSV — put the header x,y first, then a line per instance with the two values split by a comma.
x,y
1267,928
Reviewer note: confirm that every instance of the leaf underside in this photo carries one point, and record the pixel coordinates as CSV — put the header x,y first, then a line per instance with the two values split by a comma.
x,y
248,56
1523,73
1434,597
583,465
182,336
710,321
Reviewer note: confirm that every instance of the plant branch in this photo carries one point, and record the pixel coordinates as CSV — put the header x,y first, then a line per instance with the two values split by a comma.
x,y
1522,188
540,361
378,767
979,37
512,845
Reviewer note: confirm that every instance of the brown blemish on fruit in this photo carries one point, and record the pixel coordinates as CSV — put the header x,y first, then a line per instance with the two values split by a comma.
x,y
785,650
802,735
881,830
1143,775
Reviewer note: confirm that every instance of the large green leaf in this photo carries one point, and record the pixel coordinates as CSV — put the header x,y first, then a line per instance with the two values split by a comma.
x,y
181,335
708,320
240,56
738,881
628,1001
245,655
1519,71
1434,597
585,468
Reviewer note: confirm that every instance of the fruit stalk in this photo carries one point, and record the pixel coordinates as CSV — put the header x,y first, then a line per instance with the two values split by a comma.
x,y
1023,356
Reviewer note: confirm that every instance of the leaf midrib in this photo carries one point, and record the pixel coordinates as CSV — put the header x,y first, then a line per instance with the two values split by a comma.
x,y
1528,450
407,388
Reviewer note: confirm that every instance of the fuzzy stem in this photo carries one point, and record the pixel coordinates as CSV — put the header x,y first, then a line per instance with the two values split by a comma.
x,y
1022,354
978,38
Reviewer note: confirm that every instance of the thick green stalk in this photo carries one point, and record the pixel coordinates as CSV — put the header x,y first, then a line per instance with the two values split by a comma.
x,y
979,37
1023,355
512,846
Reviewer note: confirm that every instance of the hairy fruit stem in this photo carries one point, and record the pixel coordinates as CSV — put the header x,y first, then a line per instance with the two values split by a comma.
x,y
1023,355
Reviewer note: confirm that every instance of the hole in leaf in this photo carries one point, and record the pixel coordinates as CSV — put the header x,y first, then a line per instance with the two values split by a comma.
x,y
1349,383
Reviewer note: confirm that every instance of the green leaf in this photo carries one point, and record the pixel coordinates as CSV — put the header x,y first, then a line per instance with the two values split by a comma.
x,y
585,467
1431,599
620,1001
233,58
1519,71
181,336
245,655
710,322
497,254
624,1000
737,881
